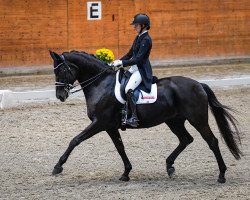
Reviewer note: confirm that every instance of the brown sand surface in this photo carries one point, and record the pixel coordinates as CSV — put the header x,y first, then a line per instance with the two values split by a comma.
x,y
34,136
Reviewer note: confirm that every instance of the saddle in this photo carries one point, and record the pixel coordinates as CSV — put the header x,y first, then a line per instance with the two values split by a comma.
x,y
142,97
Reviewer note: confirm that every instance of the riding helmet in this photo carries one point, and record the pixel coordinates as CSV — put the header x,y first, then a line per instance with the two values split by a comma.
x,y
141,19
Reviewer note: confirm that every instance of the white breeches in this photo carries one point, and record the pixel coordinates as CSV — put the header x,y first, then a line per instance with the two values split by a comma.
x,y
135,78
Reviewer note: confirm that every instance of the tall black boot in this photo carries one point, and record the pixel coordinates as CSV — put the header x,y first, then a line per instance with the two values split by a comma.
x,y
133,121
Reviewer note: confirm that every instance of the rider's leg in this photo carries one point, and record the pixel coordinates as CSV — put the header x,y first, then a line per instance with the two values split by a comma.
x,y
133,121
133,82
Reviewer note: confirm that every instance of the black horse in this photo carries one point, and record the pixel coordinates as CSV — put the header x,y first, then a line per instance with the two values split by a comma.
x,y
179,99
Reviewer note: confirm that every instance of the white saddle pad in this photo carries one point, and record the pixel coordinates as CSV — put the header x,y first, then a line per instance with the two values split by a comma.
x,y
144,98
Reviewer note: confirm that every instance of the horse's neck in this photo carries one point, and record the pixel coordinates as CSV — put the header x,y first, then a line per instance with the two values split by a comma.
x,y
99,87
92,73
96,79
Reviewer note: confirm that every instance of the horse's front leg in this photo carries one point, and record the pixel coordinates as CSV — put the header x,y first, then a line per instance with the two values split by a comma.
x,y
116,138
88,132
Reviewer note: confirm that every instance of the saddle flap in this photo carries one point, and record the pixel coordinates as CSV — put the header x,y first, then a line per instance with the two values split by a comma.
x,y
124,81
141,96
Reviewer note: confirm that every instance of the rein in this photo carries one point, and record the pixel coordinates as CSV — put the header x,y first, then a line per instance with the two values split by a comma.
x,y
83,84
91,80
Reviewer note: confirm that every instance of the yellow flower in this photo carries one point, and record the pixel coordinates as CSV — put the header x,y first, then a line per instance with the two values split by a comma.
x,y
105,54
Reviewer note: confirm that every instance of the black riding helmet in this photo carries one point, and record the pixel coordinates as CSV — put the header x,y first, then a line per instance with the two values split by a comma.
x,y
141,19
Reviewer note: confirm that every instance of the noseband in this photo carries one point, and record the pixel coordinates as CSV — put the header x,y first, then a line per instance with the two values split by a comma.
x,y
67,86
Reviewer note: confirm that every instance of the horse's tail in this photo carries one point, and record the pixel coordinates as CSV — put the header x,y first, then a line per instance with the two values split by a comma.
x,y
225,121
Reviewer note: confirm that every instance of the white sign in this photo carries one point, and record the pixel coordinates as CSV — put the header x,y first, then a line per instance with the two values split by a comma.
x,y
94,10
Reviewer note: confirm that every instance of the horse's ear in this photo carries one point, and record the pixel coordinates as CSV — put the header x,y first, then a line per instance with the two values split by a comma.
x,y
54,56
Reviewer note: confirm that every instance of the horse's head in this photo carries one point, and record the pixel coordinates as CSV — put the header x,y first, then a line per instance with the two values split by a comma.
x,y
65,75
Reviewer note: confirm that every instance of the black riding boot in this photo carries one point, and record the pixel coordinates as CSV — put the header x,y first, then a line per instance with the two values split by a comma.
x,y
133,121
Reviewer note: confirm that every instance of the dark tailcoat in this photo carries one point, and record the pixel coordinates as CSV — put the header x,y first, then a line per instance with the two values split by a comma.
x,y
139,55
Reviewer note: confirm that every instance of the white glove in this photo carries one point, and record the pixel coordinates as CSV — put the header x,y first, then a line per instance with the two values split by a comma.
x,y
117,63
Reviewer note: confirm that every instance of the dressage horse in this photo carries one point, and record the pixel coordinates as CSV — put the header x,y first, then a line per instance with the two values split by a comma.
x,y
179,99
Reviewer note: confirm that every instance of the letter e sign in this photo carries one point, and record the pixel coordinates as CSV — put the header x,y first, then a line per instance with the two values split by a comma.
x,y
94,10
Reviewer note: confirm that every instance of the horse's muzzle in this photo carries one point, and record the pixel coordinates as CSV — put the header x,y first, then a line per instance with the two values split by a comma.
x,y
62,96
62,99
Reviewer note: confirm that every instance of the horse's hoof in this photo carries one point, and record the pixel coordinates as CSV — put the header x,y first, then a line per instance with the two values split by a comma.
x,y
171,171
57,170
124,178
221,180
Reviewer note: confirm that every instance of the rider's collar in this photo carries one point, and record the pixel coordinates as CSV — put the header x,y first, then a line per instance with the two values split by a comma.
x,y
143,33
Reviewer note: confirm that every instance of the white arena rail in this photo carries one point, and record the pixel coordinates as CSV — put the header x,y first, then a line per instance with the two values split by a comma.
x,y
9,99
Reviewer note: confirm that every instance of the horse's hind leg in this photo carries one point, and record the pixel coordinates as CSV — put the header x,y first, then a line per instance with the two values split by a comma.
x,y
116,138
212,142
178,128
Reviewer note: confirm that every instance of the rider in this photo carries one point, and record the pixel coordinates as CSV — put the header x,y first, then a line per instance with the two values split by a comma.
x,y
138,59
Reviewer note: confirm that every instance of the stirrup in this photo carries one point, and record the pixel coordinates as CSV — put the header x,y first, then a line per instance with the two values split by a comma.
x,y
132,122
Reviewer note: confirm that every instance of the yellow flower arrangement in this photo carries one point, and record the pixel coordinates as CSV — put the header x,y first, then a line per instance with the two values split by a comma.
x,y
105,55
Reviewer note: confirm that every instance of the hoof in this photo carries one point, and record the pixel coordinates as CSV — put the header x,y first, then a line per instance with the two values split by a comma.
x,y
57,170
171,171
124,178
221,180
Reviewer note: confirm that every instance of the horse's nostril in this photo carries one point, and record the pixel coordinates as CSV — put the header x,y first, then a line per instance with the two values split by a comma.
x,y
62,96
62,99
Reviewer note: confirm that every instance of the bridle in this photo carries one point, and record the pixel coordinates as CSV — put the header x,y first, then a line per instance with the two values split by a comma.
x,y
67,86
